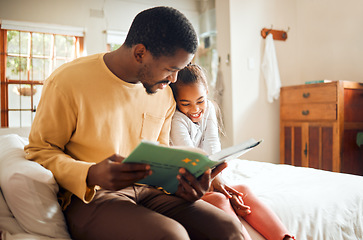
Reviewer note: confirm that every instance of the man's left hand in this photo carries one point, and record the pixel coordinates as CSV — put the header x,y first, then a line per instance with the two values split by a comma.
x,y
192,189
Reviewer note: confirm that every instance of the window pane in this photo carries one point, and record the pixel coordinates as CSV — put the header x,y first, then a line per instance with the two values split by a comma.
x,y
38,44
20,96
48,68
14,119
24,43
16,68
23,68
20,118
14,96
26,118
36,97
25,92
41,44
48,44
58,63
12,67
60,46
13,42
70,47
38,68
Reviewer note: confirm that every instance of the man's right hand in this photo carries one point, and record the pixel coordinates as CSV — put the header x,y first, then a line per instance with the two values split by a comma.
x,y
112,174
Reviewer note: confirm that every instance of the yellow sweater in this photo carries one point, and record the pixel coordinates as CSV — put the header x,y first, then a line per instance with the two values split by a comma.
x,y
86,114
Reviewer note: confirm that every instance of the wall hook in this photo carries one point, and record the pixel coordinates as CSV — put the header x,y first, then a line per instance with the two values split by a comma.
x,y
277,34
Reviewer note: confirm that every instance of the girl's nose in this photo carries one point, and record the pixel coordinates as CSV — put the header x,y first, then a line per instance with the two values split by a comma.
x,y
195,108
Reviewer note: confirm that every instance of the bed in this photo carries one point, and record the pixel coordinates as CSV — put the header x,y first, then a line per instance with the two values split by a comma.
x,y
313,204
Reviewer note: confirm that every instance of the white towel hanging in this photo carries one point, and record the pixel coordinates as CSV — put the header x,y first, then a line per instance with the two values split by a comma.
x,y
270,70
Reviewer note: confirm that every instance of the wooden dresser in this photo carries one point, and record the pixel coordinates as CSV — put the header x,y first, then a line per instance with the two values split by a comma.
x,y
319,124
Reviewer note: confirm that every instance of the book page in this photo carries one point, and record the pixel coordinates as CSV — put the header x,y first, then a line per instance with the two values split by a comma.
x,y
234,151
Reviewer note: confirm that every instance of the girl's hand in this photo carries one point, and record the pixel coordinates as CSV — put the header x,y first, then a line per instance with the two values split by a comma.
x,y
235,197
238,205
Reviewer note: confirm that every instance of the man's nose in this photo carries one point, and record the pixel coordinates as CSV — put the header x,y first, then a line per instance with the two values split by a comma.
x,y
173,77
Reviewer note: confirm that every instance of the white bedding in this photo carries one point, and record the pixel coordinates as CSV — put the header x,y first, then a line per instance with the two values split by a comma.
x,y
313,204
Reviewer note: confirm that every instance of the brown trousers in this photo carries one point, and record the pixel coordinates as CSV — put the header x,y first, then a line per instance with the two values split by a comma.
x,y
141,212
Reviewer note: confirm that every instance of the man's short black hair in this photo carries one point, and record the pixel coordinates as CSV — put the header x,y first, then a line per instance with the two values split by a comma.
x,y
162,30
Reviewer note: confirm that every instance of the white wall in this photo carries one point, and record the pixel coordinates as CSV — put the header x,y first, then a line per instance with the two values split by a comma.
x,y
323,43
330,39
118,15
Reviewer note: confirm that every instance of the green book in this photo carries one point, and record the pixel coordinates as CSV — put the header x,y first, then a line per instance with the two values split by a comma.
x,y
165,161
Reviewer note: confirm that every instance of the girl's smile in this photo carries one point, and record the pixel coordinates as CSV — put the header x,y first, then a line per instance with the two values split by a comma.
x,y
192,101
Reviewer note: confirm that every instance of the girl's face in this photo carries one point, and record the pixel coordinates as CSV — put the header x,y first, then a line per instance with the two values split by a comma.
x,y
191,100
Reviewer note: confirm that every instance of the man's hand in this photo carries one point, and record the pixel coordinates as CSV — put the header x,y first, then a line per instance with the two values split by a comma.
x,y
112,174
190,188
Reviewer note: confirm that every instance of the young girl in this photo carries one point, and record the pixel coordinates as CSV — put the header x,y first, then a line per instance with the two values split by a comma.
x,y
195,124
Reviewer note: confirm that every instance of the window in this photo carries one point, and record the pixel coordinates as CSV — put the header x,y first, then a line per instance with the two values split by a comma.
x,y
115,39
27,59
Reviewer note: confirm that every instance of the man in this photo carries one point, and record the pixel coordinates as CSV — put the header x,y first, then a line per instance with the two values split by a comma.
x,y
95,110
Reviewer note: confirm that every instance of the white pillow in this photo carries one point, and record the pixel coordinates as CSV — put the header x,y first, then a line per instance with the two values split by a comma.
x,y
30,190
7,220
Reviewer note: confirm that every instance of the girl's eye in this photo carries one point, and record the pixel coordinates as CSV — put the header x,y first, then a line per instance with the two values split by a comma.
x,y
200,102
185,104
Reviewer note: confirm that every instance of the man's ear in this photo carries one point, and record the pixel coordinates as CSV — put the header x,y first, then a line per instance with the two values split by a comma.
x,y
139,52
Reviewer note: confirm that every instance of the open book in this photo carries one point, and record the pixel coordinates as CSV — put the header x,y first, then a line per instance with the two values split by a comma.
x,y
165,161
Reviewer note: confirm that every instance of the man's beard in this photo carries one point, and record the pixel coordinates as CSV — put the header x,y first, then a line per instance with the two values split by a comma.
x,y
142,75
148,89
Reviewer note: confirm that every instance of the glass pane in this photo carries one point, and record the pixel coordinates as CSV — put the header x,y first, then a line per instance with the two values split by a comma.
x,y
23,68
48,44
20,96
70,47
36,97
26,93
26,118
14,119
60,46
24,43
12,68
13,42
16,68
14,96
38,44
38,67
48,68
58,63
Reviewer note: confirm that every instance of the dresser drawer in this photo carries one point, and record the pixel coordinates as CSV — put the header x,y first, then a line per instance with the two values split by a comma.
x,y
309,94
309,112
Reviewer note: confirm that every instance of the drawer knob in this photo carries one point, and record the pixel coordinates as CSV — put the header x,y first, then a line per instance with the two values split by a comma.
x,y
305,112
306,95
